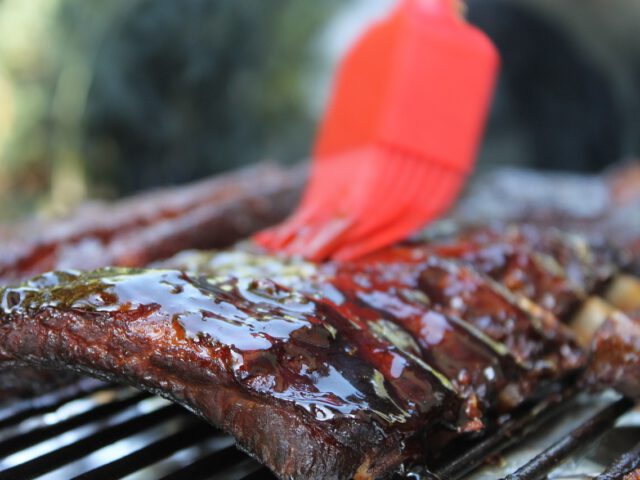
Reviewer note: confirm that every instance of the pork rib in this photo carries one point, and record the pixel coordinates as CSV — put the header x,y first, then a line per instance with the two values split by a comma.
x,y
275,369
320,371
560,271
212,213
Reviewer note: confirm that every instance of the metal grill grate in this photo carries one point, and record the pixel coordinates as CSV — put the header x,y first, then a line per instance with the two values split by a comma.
x,y
98,431
94,431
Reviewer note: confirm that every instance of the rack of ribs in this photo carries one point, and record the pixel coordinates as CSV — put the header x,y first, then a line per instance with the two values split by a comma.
x,y
212,213
331,370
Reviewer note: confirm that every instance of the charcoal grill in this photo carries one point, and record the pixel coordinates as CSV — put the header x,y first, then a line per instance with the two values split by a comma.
x,y
92,430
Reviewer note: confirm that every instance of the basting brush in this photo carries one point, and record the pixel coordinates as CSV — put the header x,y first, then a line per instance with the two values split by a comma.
x,y
399,137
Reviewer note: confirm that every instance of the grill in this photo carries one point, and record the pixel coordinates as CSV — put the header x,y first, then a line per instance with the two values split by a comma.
x,y
93,430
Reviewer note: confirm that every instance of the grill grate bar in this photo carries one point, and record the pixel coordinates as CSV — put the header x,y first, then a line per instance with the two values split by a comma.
x,y
195,432
202,469
625,464
37,435
586,433
506,436
49,402
80,448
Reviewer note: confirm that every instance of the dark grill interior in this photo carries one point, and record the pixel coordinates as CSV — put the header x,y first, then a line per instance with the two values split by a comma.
x,y
93,430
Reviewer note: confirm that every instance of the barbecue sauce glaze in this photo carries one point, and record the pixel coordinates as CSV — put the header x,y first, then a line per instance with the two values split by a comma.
x,y
412,340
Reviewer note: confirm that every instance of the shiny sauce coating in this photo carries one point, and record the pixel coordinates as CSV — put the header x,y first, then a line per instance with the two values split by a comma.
x,y
405,337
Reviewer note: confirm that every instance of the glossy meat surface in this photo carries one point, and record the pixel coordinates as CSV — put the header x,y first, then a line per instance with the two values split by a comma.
x,y
556,270
276,369
560,271
320,371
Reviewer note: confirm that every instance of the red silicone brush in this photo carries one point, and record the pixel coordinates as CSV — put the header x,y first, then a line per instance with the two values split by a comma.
x,y
399,137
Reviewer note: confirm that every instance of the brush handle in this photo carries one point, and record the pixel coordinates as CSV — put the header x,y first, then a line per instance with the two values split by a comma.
x,y
444,73
420,82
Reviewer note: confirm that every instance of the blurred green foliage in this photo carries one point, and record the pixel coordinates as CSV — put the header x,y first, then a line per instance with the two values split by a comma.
x,y
105,97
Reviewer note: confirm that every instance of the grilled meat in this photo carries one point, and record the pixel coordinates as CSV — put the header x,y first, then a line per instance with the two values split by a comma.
x,y
560,271
554,269
525,339
133,232
603,208
320,371
277,370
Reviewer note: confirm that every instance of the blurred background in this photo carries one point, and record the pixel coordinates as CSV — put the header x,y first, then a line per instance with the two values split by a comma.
x,y
104,98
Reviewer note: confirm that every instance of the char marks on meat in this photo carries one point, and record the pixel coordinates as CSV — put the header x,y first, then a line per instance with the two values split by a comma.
x,y
320,371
